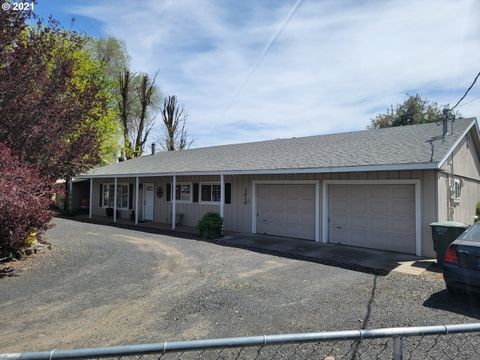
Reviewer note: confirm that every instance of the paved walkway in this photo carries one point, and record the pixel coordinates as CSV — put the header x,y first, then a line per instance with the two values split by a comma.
x,y
368,260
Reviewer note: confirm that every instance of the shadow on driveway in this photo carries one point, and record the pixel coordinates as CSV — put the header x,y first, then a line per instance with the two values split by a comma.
x,y
370,261
462,303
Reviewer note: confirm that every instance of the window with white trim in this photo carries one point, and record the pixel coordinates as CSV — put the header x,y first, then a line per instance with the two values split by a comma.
x,y
108,195
457,190
183,192
210,193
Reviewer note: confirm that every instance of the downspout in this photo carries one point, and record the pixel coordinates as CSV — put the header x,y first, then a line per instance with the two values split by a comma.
x,y
451,204
173,193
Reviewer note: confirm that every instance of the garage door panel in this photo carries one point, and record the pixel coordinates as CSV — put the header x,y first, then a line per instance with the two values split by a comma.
x,y
358,221
292,203
338,220
339,191
306,206
377,241
379,206
401,243
358,236
404,226
402,207
358,205
379,191
286,210
402,192
292,218
386,222
339,237
359,192
340,205
380,223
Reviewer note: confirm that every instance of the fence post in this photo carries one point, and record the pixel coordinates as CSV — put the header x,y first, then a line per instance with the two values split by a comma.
x,y
398,348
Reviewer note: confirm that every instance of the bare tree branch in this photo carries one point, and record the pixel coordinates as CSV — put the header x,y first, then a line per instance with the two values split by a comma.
x,y
136,105
145,92
125,109
174,120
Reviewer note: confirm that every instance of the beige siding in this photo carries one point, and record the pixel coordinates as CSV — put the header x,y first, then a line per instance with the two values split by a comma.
x,y
464,210
466,161
429,209
463,164
238,214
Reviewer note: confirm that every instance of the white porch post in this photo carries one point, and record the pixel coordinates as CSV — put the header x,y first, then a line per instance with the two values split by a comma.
x,y
90,200
174,201
70,195
222,198
222,194
137,187
115,201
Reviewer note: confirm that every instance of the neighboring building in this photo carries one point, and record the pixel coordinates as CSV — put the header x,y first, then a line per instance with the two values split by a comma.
x,y
375,188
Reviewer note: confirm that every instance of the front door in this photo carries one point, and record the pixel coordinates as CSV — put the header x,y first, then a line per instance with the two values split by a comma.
x,y
148,197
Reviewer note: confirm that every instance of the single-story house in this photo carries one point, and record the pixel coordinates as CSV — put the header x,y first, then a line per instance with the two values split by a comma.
x,y
375,188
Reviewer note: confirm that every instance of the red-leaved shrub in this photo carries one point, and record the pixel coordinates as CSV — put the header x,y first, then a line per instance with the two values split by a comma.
x,y
24,202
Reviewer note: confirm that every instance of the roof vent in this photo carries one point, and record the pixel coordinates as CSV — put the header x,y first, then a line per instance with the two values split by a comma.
x,y
153,148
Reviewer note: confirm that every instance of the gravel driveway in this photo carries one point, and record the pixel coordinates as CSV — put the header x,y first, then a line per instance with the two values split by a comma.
x,y
101,286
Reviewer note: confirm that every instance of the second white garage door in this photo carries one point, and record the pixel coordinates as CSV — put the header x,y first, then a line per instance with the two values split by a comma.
x,y
375,216
286,210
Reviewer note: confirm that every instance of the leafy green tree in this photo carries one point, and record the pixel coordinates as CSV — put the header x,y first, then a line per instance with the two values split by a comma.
x,y
414,110
56,118
88,70
111,52
54,99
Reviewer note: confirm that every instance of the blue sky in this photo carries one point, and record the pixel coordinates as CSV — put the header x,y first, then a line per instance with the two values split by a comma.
x,y
334,66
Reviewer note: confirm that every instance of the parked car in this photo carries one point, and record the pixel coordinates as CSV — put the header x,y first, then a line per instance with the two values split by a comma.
x,y
461,268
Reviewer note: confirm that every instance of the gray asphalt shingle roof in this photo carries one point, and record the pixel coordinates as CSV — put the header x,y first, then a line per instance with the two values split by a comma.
x,y
415,144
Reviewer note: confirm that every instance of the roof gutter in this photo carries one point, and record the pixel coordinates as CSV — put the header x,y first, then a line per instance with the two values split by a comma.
x,y
338,169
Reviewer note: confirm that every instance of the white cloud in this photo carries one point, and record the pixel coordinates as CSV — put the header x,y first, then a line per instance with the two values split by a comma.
x,y
336,64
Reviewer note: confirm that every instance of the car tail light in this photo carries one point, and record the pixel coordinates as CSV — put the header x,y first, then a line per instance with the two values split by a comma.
x,y
451,255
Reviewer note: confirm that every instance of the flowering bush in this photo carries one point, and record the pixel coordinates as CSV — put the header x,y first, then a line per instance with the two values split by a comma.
x,y
24,202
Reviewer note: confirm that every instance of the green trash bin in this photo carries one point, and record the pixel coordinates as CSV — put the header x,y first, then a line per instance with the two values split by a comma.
x,y
443,234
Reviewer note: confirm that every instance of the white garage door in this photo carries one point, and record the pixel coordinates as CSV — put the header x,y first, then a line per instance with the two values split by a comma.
x,y
372,216
286,210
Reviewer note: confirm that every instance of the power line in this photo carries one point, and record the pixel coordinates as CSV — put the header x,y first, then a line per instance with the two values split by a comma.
x,y
468,102
263,54
466,92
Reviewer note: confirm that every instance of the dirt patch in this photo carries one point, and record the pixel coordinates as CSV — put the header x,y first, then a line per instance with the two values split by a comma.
x,y
17,267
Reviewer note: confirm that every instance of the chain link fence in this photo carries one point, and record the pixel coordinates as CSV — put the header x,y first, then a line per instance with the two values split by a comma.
x,y
433,342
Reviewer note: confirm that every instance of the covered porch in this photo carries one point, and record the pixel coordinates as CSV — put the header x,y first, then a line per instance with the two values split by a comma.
x,y
162,202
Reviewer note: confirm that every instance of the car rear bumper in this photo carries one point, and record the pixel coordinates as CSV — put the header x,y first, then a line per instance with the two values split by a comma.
x,y
461,278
